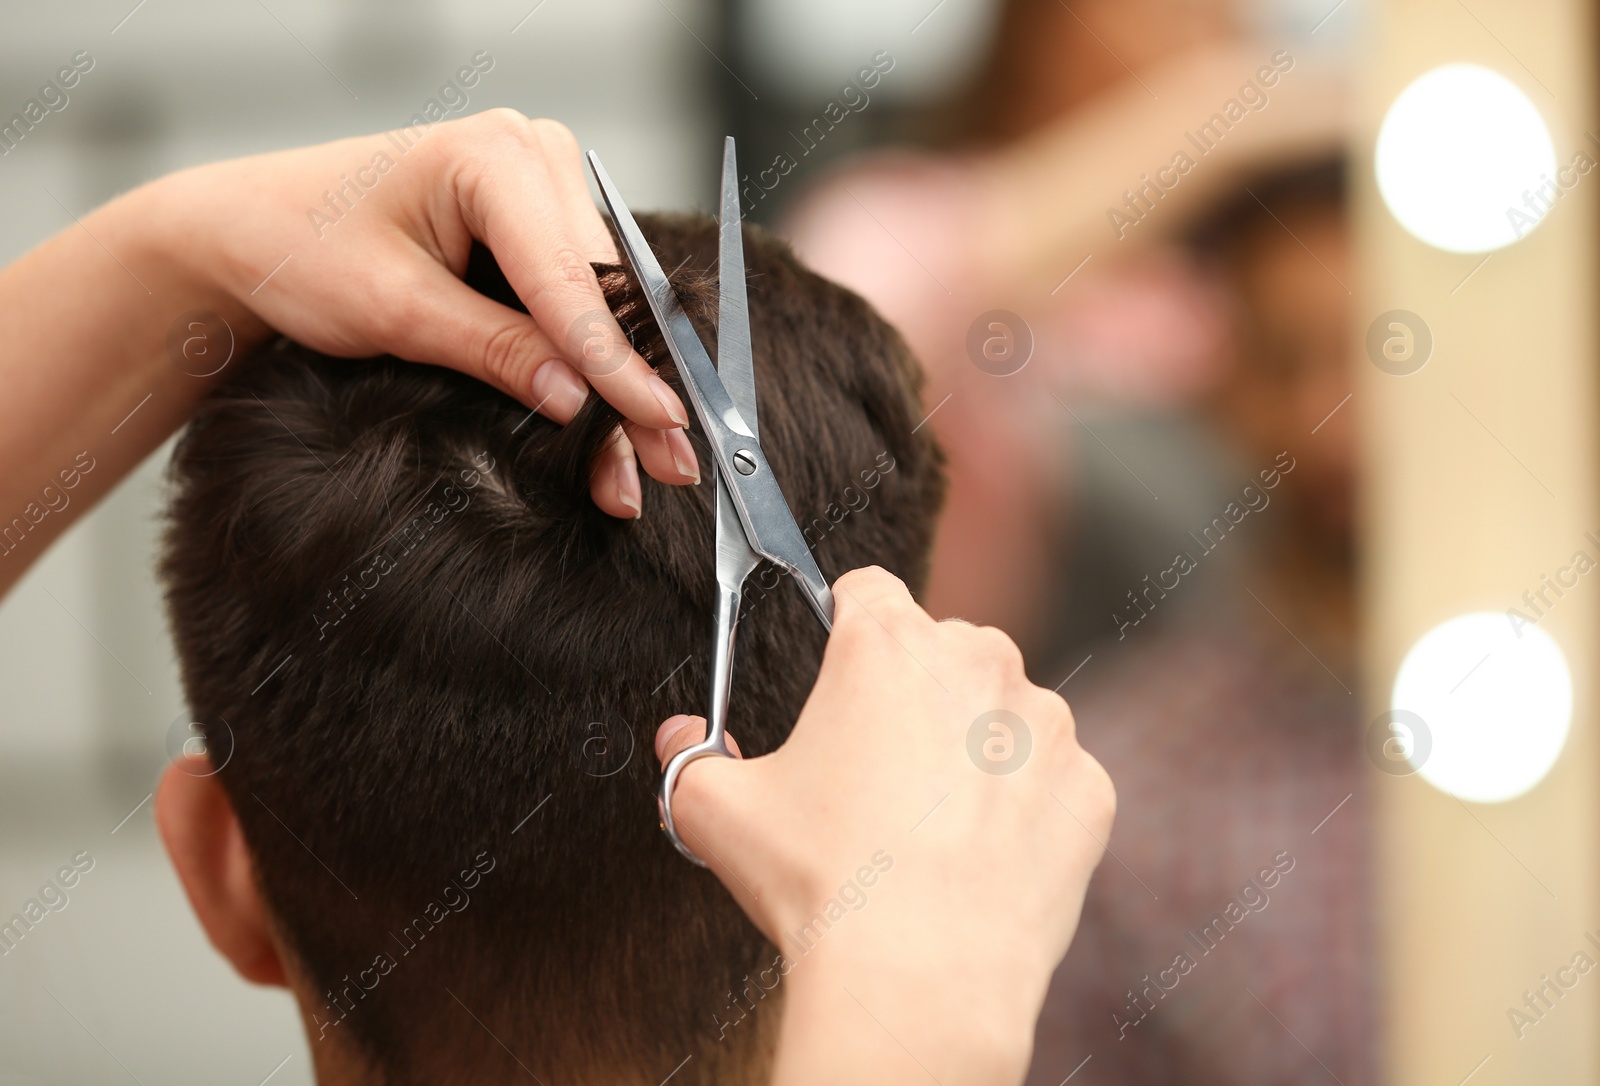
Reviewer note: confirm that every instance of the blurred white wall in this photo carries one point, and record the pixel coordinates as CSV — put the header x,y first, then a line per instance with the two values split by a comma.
x,y
120,984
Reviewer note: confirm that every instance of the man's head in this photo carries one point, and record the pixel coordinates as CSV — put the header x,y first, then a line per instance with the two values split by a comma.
x,y
1285,251
430,672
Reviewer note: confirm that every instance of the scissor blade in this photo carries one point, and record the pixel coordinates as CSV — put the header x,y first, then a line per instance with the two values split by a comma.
x,y
769,526
735,364
706,391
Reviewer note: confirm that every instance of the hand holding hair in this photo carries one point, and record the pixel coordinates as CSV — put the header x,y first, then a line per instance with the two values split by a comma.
x,y
380,227
354,248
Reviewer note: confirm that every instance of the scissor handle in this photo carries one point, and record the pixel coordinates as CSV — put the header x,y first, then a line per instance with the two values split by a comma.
x,y
706,748
716,740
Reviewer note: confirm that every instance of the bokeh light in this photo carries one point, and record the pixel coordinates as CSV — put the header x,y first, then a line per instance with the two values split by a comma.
x,y
1497,699
1465,161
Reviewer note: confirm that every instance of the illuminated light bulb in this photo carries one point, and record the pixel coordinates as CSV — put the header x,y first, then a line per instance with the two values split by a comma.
x,y
1464,160
1496,700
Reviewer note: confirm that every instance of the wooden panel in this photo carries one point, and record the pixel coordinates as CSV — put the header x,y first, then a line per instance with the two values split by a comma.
x,y
1480,474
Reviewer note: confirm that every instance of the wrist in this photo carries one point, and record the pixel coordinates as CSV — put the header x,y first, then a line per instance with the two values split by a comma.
x,y
875,1010
178,241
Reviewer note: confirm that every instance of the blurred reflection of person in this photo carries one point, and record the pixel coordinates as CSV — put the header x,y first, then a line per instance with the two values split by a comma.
x,y
1228,721
1228,716
1015,216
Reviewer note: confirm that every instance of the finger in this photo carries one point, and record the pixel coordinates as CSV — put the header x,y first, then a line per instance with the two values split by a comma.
x,y
667,744
516,208
558,391
614,482
572,189
664,454
436,318
681,732
443,321
872,595
874,616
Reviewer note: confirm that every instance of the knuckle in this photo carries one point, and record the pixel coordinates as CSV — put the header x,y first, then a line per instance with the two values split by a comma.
x,y
898,611
566,273
475,149
879,592
504,121
505,353
1079,773
570,267
1098,791
394,308
1057,715
992,647
1061,712
555,136
476,139
863,579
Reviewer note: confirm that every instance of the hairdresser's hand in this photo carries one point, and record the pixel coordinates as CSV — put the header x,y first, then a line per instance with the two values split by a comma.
x,y
357,247
957,852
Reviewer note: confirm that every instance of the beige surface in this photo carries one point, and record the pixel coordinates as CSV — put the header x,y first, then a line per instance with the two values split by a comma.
x,y
1480,900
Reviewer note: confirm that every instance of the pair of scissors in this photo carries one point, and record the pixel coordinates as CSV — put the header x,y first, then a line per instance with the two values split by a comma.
x,y
753,519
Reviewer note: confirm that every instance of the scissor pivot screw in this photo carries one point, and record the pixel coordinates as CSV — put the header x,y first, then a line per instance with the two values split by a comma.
x,y
744,462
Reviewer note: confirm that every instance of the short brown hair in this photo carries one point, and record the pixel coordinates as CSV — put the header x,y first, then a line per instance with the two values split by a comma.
x,y
442,668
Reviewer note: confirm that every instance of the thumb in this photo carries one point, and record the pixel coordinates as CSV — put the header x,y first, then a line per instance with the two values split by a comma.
x,y
706,793
679,733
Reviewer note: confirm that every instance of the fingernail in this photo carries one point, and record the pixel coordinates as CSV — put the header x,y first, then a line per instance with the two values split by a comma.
x,y
683,457
628,484
665,733
669,400
558,391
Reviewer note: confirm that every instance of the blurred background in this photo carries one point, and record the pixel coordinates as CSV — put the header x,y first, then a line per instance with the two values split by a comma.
x,y
1268,398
